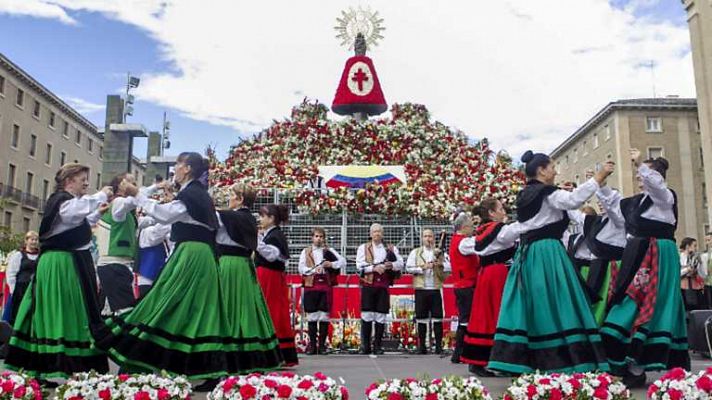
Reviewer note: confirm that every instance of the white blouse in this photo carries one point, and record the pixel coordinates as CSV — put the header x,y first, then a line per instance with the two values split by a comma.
x,y
318,254
72,213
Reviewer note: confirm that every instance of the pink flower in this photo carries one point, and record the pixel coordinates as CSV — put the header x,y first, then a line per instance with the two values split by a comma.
x,y
704,383
271,383
604,380
141,395
555,394
437,381
395,396
289,374
601,393
301,398
305,384
323,387
229,384
575,383
284,391
123,377
344,393
371,388
163,394
320,376
651,390
8,386
248,391
105,394
19,392
76,398
675,394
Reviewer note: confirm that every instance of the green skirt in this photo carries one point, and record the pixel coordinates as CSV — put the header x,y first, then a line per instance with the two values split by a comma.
x,y
545,321
181,325
661,343
52,331
599,308
251,324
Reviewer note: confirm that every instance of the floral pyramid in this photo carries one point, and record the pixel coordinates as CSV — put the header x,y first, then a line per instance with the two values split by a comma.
x,y
443,170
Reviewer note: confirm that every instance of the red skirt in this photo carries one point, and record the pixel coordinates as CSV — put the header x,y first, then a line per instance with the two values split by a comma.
x,y
276,291
484,314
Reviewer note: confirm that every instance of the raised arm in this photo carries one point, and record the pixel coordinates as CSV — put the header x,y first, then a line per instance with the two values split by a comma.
x,y
563,200
654,184
74,211
611,202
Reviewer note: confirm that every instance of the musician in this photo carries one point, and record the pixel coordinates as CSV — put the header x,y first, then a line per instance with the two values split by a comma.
x,y
319,266
429,266
465,267
379,265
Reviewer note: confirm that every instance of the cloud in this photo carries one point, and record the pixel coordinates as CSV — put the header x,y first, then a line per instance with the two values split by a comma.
x,y
39,9
524,74
83,106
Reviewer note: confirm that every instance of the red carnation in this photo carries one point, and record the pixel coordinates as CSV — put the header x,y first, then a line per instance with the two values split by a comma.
x,y
555,394
395,396
601,393
301,398
19,392
123,377
431,396
142,396
531,391
105,394
163,394
544,381
344,393
675,394
305,384
284,391
371,388
320,376
271,383
651,390
8,386
704,383
248,391
76,398
575,383
676,374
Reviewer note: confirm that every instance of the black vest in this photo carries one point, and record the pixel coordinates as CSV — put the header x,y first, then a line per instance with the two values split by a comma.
x,y
578,240
602,250
27,270
486,234
276,238
639,226
68,240
241,226
200,208
529,202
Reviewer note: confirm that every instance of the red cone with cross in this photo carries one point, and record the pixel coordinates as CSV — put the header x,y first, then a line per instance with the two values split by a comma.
x,y
359,90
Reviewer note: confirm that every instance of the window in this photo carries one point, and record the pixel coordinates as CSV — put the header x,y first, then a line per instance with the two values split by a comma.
x,y
52,116
90,145
15,141
62,158
33,145
78,138
7,219
702,159
98,180
653,124
584,148
575,155
704,197
597,167
29,182
65,130
101,152
566,160
608,130
36,110
595,140
26,224
2,84
45,189
48,154
11,175
655,152
20,99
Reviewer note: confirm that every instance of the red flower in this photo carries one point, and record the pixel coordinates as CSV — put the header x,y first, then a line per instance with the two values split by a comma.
x,y
8,386
651,390
163,394
531,391
395,396
19,392
142,396
284,391
555,394
105,394
320,376
675,394
704,383
123,377
305,384
323,387
289,374
344,393
575,383
271,383
301,398
601,393
431,396
248,391
544,381
675,374
76,398
229,384
371,388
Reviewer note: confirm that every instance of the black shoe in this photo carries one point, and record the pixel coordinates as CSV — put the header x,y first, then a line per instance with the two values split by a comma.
x,y
480,371
207,386
635,381
323,336
311,349
365,337
422,350
378,351
438,349
459,341
378,339
47,384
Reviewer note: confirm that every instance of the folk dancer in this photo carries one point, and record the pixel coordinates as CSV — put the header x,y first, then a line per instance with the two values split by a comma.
x,y
21,267
319,266
465,267
429,266
379,265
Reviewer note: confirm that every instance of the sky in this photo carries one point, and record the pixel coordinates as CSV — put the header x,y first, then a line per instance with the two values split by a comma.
x,y
523,73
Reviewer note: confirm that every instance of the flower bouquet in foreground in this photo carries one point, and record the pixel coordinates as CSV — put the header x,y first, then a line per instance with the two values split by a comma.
x,y
579,386
679,384
279,385
18,386
92,385
451,388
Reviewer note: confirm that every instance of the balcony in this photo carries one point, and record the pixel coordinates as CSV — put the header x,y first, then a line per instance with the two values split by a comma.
x,y
30,201
17,196
12,194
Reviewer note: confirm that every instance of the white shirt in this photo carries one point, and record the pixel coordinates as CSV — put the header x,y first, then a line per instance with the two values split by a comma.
x,y
13,268
655,187
684,269
558,201
379,257
168,213
72,213
318,254
268,251
153,235
582,252
411,266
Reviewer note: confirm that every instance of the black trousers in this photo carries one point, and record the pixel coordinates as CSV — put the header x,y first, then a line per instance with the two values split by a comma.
x,y
116,286
463,299
428,304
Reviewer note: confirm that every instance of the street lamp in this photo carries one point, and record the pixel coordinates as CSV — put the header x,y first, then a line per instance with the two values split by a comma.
x,y
132,82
